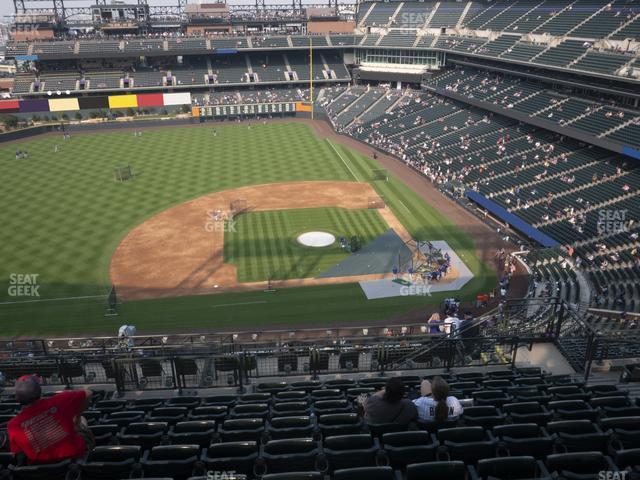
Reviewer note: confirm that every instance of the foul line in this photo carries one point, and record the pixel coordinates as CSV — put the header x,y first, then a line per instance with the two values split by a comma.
x,y
53,299
405,207
343,161
236,304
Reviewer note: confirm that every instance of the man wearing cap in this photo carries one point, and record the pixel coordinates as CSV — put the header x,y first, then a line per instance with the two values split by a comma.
x,y
48,430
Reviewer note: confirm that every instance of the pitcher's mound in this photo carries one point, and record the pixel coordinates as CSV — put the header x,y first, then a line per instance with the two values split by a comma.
x,y
316,239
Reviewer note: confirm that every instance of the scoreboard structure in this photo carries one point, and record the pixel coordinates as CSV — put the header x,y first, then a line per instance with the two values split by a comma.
x,y
248,110
271,109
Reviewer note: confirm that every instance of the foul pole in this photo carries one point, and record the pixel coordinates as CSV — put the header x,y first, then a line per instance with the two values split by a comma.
x,y
311,74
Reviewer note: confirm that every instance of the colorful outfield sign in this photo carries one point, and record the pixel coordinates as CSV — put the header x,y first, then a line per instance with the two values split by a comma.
x,y
72,104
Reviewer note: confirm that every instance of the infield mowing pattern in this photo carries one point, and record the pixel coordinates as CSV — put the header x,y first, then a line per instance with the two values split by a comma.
x,y
263,244
63,214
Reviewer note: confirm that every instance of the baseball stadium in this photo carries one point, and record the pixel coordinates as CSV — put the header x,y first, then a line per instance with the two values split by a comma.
x,y
300,240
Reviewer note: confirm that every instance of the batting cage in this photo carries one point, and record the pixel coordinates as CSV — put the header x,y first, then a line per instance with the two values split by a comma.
x,y
420,257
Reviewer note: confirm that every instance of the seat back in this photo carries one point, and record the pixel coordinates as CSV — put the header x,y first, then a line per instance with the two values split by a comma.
x,y
114,453
173,461
340,424
628,458
53,471
577,463
350,451
404,448
365,473
227,456
379,429
292,476
242,429
507,468
210,412
173,452
454,470
291,455
518,430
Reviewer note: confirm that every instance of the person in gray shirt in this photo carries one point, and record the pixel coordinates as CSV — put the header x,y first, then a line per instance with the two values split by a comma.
x,y
389,405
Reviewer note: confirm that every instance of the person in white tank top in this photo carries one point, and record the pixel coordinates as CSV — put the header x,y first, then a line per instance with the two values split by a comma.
x,y
433,394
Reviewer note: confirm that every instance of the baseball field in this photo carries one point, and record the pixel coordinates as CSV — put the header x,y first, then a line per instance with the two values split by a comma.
x,y
71,231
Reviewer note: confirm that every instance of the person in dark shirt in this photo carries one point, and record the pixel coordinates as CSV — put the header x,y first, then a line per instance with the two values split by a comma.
x,y
389,405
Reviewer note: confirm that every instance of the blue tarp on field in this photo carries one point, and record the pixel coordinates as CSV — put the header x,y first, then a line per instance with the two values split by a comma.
x,y
380,255
513,220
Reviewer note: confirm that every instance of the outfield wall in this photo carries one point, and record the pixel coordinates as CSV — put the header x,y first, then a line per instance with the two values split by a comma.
x,y
81,127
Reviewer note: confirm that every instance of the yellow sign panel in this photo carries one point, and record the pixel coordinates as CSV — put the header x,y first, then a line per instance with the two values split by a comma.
x,y
123,101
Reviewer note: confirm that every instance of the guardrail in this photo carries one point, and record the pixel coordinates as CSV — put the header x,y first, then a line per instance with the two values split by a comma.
x,y
238,358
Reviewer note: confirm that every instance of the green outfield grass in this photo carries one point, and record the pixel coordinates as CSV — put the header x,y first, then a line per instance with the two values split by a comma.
x,y
263,244
63,216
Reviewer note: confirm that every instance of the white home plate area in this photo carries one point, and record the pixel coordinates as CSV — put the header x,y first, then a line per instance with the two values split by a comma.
x,y
316,239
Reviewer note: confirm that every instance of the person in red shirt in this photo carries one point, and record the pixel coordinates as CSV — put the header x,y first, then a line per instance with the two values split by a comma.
x,y
48,430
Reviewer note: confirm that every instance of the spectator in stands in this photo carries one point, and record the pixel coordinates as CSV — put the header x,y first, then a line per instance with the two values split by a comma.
x,y
467,328
434,323
451,323
49,430
435,404
389,405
